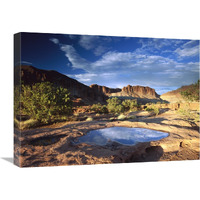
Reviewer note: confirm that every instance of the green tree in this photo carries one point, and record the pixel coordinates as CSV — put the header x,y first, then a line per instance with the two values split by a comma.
x,y
114,105
130,104
98,108
44,100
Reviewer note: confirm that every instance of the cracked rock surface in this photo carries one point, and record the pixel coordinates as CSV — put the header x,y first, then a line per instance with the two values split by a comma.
x,y
54,146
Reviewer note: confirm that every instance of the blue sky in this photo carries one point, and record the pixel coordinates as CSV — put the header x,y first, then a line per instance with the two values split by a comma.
x,y
163,64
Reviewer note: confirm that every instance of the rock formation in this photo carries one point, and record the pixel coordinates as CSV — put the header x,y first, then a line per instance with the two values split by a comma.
x,y
140,91
81,94
175,95
30,75
128,91
105,90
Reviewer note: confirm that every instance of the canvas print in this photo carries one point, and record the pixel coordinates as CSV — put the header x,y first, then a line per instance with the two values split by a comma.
x,y
86,99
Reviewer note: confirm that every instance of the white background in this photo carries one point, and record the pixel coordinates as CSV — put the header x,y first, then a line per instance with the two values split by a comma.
x,y
155,18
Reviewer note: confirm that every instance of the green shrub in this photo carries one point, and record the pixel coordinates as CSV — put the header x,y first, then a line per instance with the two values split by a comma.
x,y
130,105
114,105
43,101
98,108
17,90
188,115
152,108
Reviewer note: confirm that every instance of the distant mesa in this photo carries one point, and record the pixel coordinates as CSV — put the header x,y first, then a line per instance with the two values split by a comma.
x,y
128,91
80,93
105,90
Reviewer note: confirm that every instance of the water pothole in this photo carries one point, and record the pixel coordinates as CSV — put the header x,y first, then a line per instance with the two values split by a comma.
x,y
121,135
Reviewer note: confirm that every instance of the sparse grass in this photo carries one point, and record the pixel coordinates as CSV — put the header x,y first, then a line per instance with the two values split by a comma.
x,y
121,117
98,108
31,123
112,119
188,115
131,117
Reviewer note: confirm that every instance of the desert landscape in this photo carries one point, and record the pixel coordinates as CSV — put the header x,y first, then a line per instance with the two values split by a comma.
x,y
89,99
52,137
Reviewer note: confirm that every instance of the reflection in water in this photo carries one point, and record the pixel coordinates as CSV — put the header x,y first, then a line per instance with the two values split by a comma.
x,y
122,135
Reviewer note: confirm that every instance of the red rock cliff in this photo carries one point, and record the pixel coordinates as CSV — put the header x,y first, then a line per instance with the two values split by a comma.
x,y
30,75
105,90
140,92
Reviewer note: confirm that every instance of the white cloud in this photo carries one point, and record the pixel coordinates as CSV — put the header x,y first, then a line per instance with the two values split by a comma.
x,y
126,67
54,40
74,58
118,69
187,52
88,42
95,78
190,44
98,44
73,37
189,49
85,77
26,63
114,61
151,44
100,50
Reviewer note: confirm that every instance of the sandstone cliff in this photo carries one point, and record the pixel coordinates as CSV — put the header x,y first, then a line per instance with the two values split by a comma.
x,y
128,91
81,94
140,91
105,90
30,75
137,92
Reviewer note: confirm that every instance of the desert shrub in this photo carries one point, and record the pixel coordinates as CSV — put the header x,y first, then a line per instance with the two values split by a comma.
x,y
43,101
188,115
98,108
114,105
121,117
131,117
25,124
119,109
17,90
130,105
152,108
89,119
191,94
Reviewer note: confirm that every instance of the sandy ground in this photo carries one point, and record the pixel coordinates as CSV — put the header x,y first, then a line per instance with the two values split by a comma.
x,y
53,145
